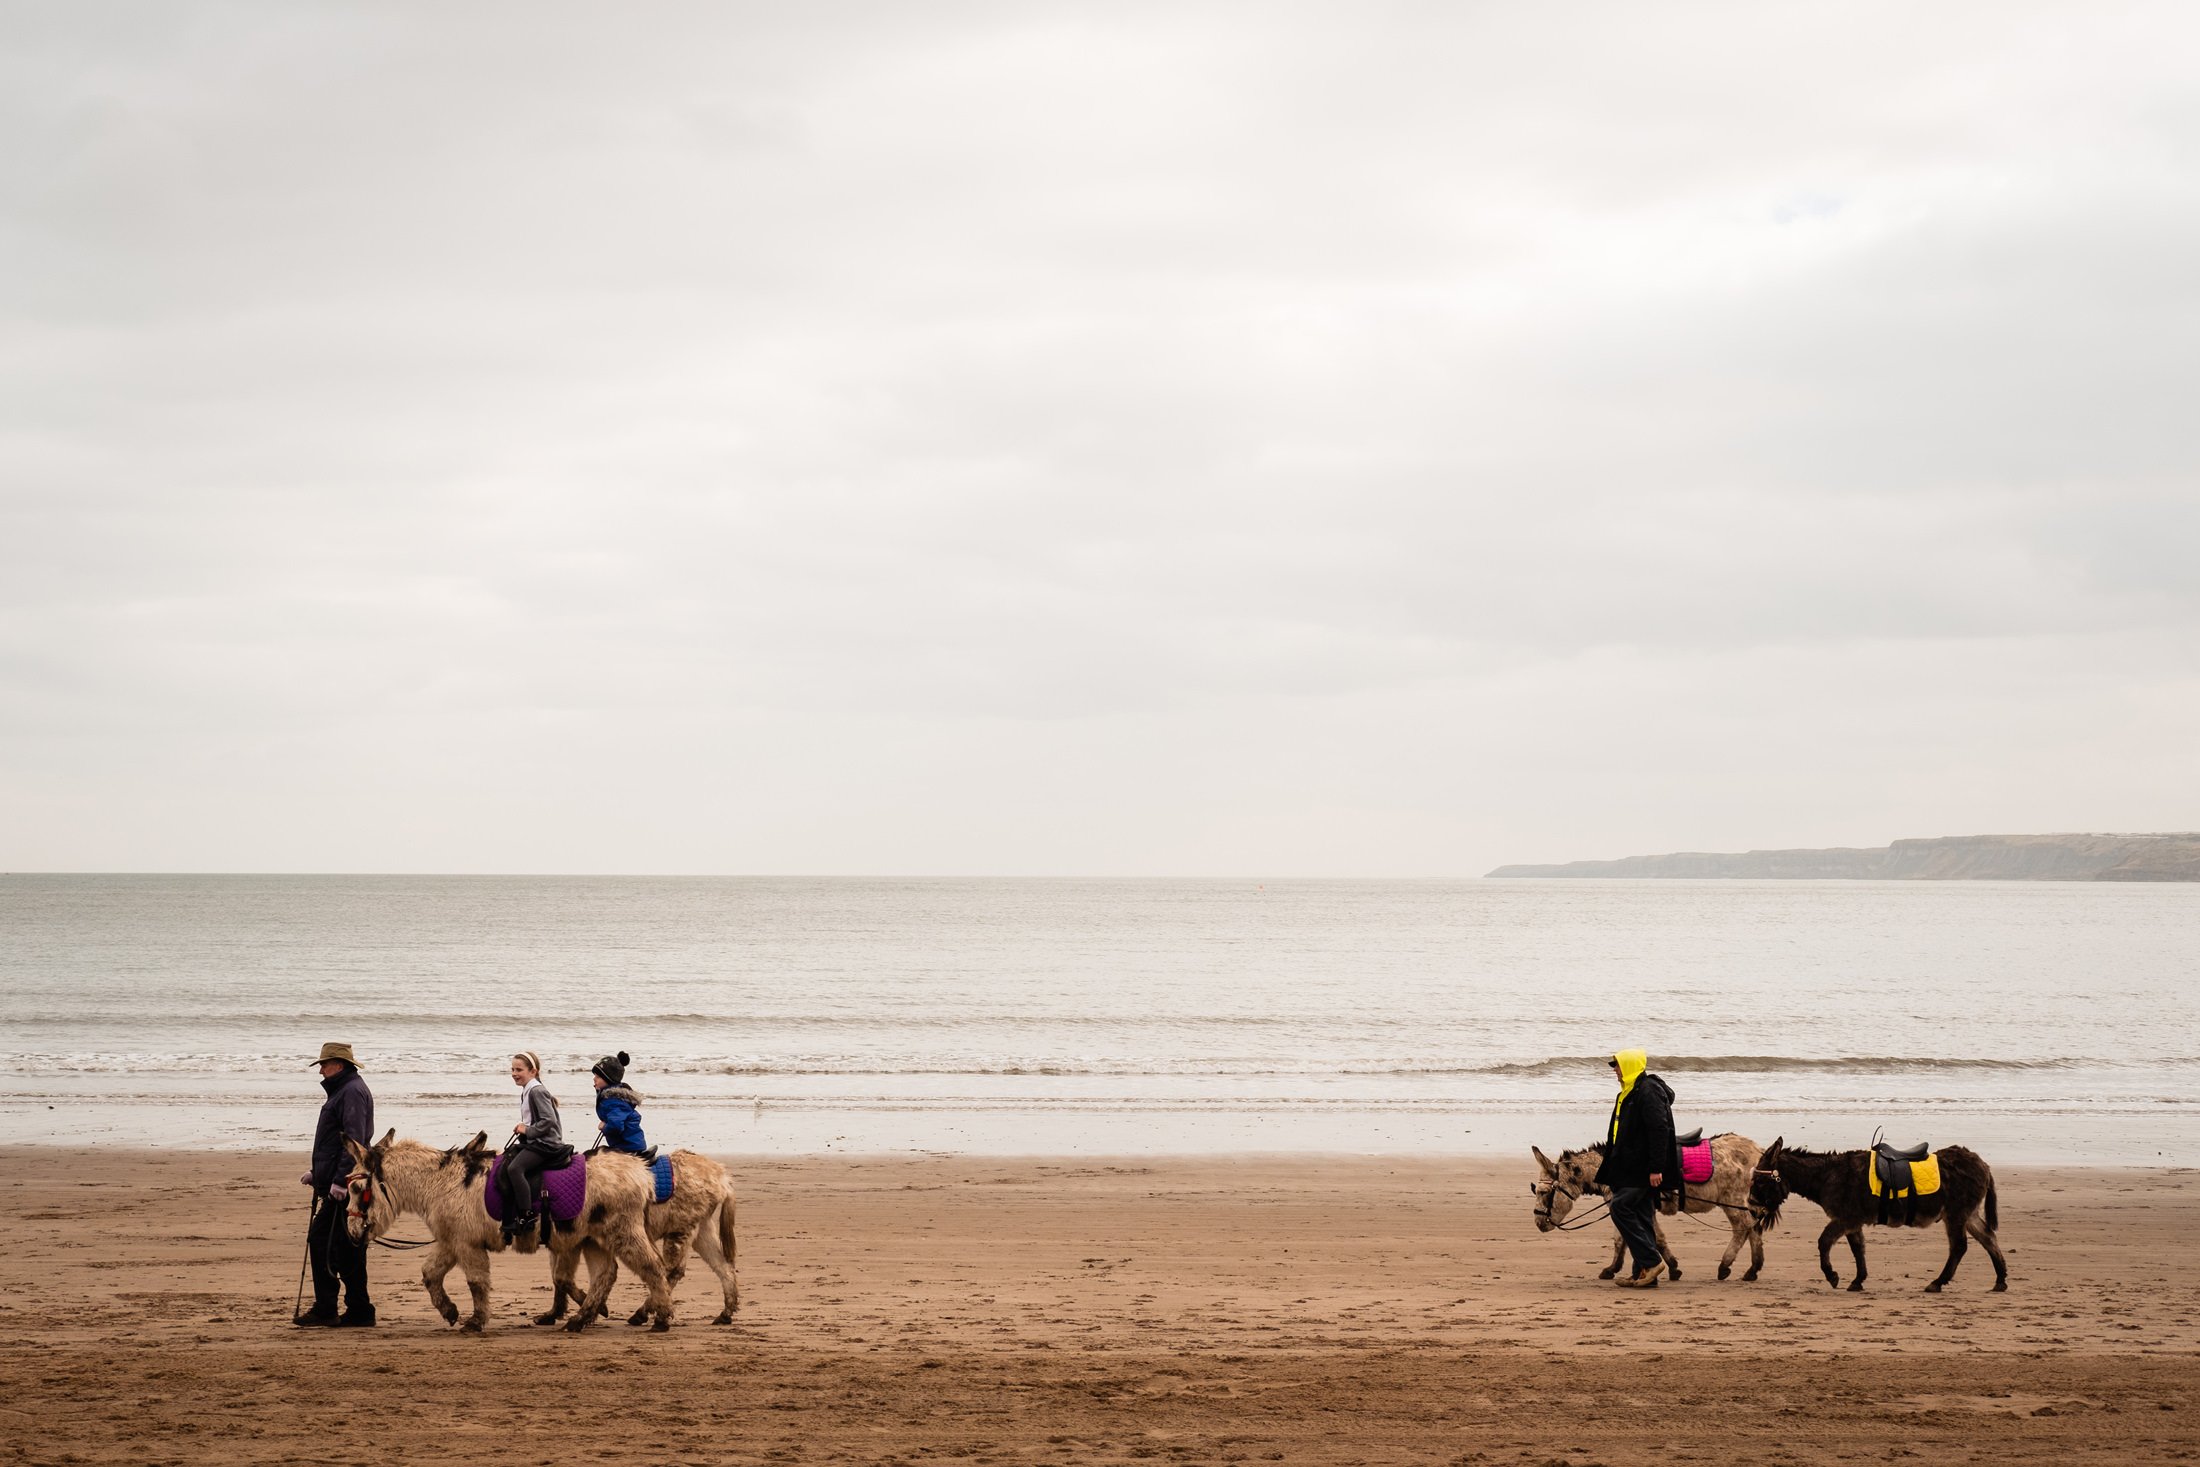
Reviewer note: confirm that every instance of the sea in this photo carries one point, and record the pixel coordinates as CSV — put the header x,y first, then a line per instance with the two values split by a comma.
x,y
2037,1022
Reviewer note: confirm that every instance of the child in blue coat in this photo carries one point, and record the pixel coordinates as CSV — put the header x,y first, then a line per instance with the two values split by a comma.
x,y
617,1107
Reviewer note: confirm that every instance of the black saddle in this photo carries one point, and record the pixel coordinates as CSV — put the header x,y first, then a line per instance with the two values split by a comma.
x,y
1897,1188
1693,1138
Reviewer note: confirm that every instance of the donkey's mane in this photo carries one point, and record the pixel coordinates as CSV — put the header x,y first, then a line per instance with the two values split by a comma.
x,y
1593,1149
472,1156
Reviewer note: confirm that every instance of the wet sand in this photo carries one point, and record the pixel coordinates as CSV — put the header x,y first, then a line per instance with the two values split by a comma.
x,y
1308,1309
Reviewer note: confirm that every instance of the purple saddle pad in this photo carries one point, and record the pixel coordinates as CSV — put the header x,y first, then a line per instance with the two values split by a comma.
x,y
566,1188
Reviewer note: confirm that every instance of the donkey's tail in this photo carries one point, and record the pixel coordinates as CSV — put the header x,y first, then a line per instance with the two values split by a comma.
x,y
725,1228
1993,1208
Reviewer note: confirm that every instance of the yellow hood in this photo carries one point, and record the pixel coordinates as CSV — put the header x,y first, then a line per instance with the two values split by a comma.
x,y
1632,1062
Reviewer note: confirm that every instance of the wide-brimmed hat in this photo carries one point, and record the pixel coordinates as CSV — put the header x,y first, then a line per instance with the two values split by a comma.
x,y
336,1052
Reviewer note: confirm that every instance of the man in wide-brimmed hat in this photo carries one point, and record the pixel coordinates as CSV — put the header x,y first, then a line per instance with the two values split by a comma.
x,y
348,1113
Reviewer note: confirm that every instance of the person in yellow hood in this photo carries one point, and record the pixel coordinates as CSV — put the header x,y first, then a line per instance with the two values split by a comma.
x,y
1640,1161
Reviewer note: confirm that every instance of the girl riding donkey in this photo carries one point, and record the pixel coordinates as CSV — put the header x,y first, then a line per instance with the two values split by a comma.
x,y
538,1145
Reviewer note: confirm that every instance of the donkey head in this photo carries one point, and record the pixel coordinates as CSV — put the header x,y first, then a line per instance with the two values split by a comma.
x,y
367,1211
1558,1189
1767,1189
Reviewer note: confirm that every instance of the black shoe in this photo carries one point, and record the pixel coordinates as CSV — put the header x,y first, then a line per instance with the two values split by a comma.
x,y
315,1319
353,1319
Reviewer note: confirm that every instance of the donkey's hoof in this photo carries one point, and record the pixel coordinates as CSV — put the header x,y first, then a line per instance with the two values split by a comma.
x,y
1932,1288
449,1313
1610,1273
1673,1273
1856,1286
547,1319
2001,1286
471,1327
664,1322
1726,1271
723,1317
576,1324
639,1316
1750,1277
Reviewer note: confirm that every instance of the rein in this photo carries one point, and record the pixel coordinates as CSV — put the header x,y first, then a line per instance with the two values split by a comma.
x,y
1594,1214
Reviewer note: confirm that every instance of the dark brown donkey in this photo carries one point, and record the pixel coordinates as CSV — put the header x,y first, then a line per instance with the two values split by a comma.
x,y
1839,1181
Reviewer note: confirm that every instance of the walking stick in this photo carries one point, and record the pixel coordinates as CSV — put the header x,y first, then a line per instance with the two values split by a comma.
x,y
314,1206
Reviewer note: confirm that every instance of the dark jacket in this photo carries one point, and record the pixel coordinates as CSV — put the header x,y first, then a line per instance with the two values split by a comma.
x,y
1642,1142
616,1107
348,1112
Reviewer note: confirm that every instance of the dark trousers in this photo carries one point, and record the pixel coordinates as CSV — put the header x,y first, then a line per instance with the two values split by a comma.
x,y
520,1168
336,1260
1634,1209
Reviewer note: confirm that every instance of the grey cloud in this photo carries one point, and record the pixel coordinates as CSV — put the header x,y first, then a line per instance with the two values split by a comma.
x,y
1210,425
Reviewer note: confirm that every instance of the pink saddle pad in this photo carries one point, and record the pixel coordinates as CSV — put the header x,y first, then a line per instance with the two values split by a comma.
x,y
1696,1162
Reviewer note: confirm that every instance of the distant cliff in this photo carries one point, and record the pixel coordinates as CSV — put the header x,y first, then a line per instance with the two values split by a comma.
x,y
2174,857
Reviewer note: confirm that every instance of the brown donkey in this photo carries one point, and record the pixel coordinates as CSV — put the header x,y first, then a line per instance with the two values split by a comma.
x,y
1840,1182
394,1177
1734,1161
698,1216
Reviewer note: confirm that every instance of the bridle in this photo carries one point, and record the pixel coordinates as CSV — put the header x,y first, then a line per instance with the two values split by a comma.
x,y
1545,1209
357,1200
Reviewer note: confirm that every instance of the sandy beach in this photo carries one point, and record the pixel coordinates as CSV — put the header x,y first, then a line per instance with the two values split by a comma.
x,y
1308,1309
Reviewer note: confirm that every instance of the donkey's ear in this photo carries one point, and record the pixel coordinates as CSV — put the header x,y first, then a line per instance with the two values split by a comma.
x,y
1550,1167
358,1152
479,1143
1771,1154
387,1137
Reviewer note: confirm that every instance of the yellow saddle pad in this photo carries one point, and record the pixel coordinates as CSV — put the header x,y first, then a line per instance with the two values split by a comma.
x,y
1924,1178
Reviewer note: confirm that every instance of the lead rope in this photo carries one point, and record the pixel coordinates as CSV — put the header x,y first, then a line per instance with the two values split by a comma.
x,y
1594,1214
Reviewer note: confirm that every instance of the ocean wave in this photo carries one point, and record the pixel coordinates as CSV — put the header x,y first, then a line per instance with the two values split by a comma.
x,y
1753,1064
454,1063
880,1018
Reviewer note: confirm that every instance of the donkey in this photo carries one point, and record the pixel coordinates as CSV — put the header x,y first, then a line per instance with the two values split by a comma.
x,y
1840,1182
394,1177
1733,1161
698,1215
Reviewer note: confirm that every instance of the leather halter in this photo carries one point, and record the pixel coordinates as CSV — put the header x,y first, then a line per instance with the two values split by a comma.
x,y
356,1204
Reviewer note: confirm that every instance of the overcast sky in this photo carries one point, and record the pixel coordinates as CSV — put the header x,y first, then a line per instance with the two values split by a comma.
x,y
1113,439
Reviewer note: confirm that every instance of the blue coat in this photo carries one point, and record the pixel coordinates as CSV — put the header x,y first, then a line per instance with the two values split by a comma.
x,y
619,1110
